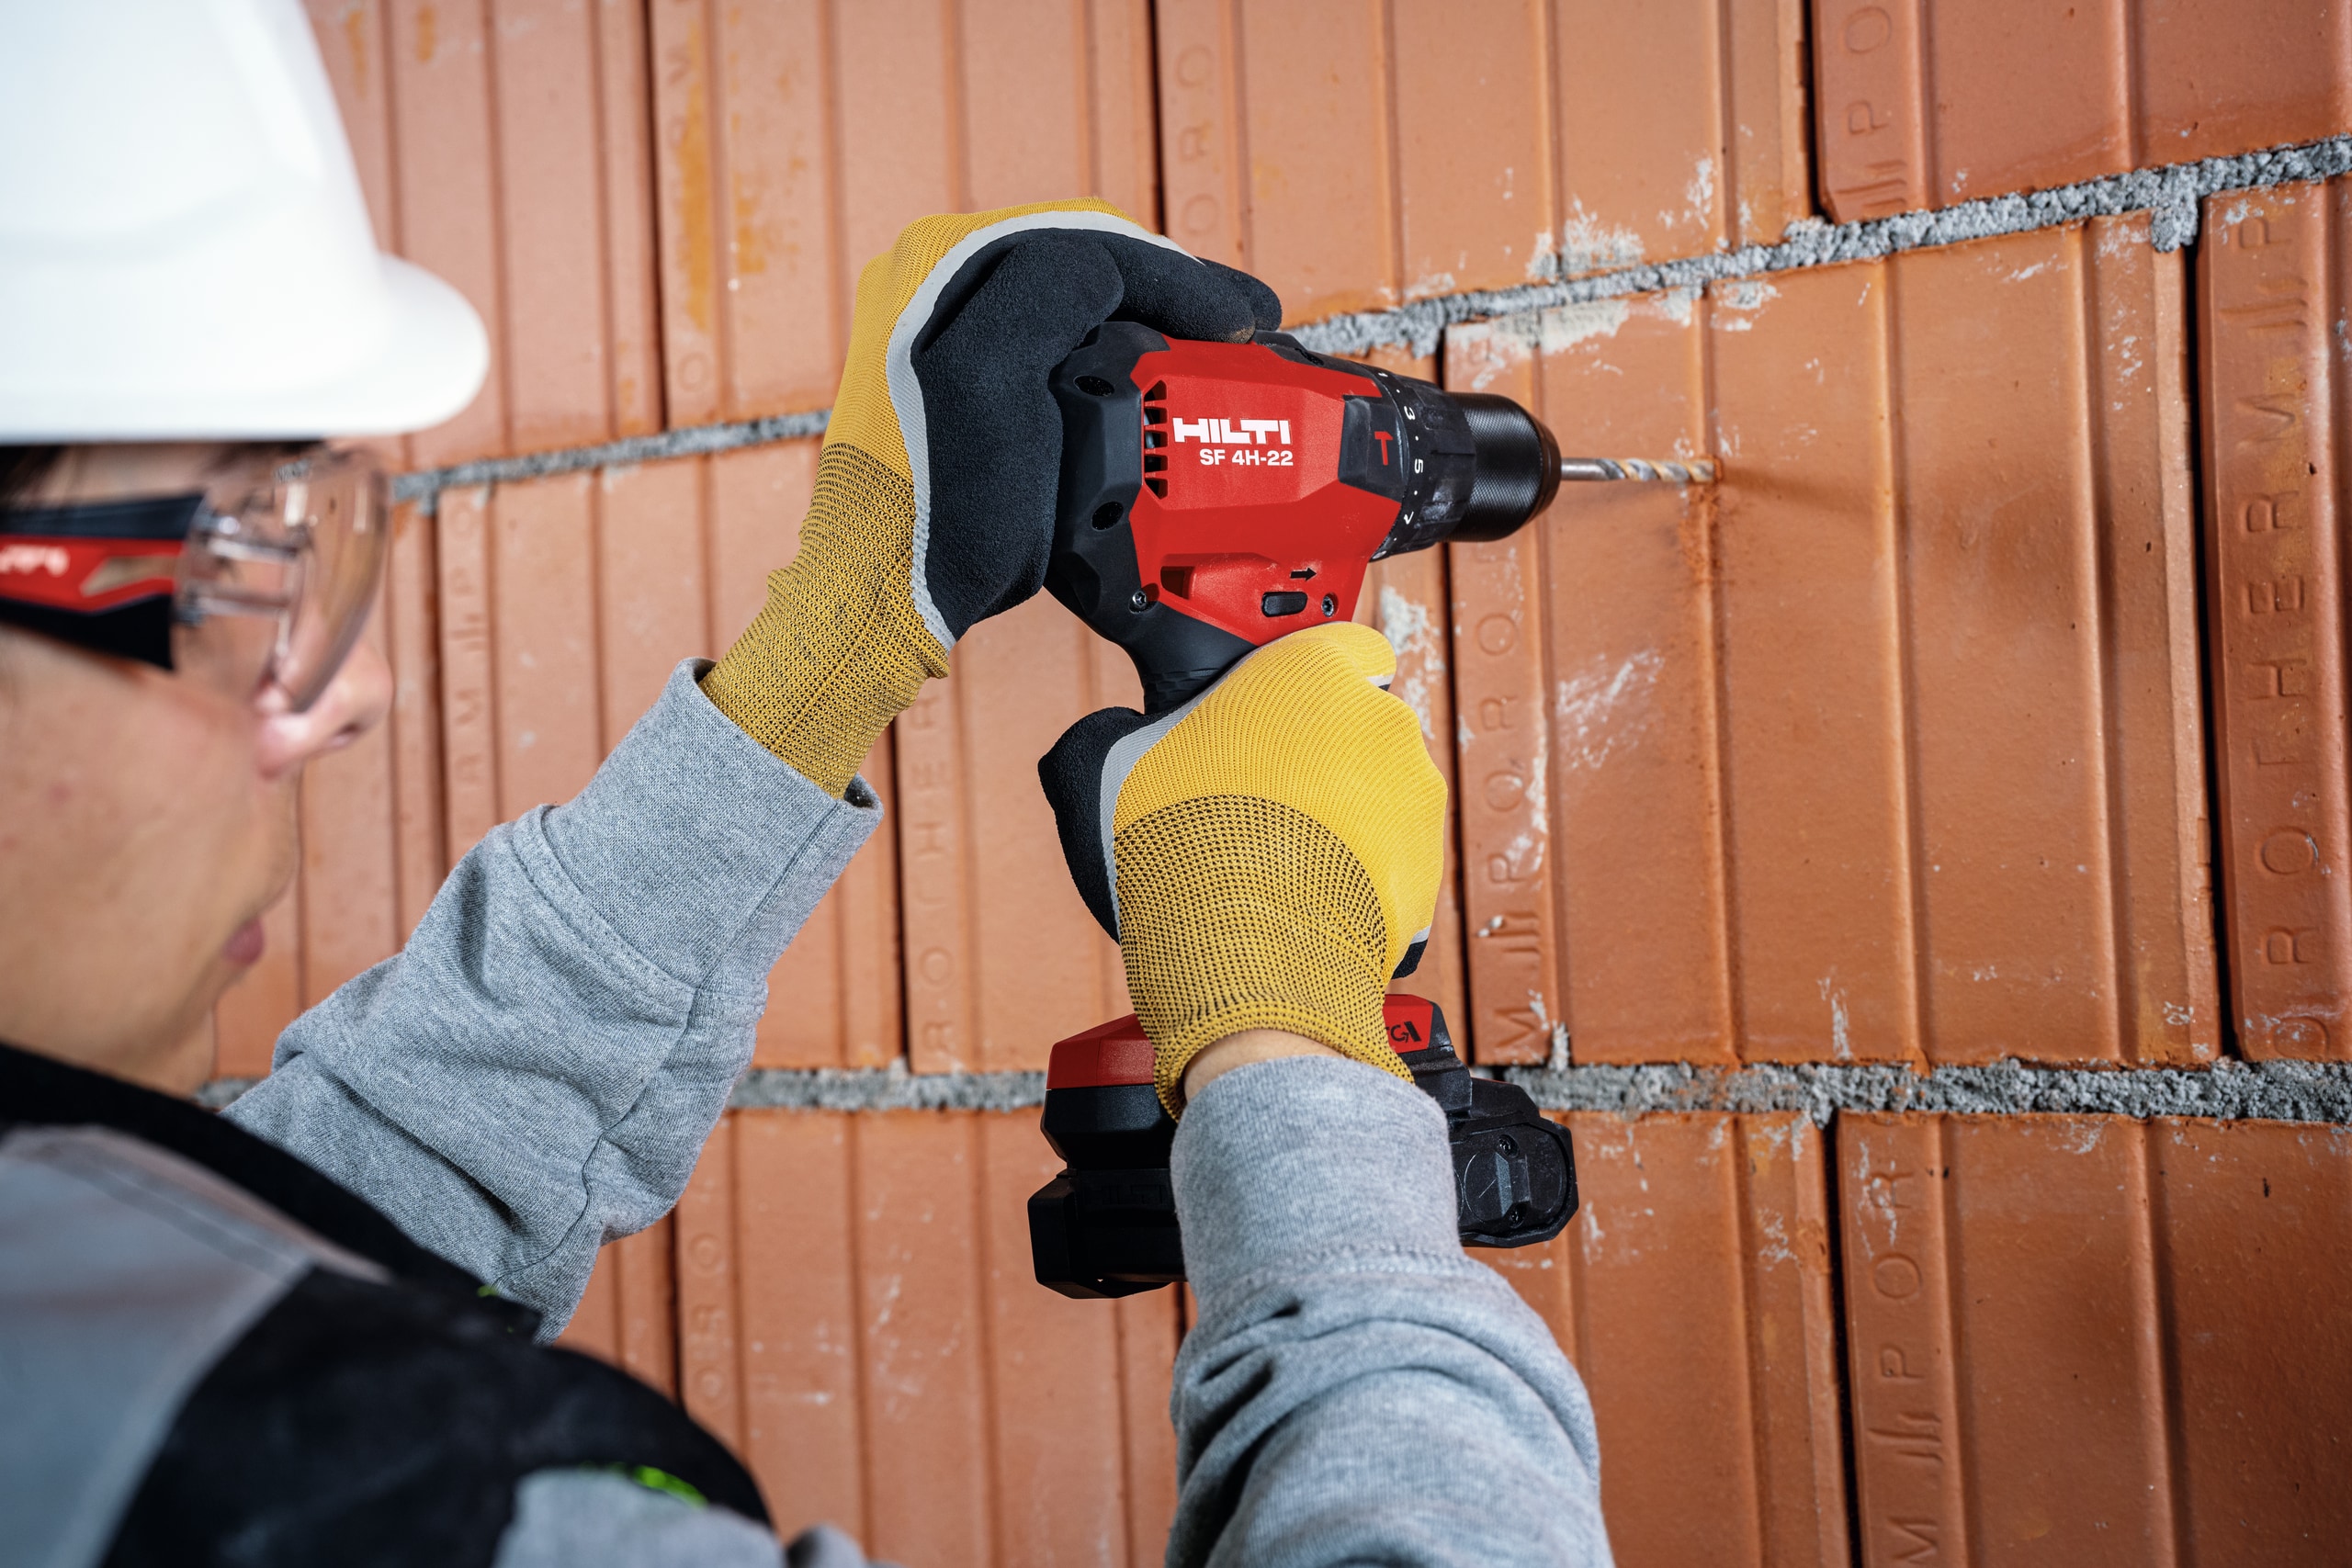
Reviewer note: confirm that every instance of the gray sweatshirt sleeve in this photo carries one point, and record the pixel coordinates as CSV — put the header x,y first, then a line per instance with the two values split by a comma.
x,y
538,1072
1357,1390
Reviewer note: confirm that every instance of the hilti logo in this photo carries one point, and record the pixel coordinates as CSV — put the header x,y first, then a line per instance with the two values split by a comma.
x,y
1234,432
50,558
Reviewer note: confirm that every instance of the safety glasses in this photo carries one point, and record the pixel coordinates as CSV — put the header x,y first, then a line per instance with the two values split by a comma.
x,y
262,579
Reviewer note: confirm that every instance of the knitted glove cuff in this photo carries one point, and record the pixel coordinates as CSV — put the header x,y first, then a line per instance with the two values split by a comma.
x,y
838,651
1236,913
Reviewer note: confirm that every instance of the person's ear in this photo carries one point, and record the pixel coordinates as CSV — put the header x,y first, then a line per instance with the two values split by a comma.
x,y
354,703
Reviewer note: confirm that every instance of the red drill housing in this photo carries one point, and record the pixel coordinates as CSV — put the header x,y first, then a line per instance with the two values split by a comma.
x,y
1217,495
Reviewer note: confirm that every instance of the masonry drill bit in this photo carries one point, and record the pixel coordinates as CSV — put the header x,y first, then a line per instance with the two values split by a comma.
x,y
1693,471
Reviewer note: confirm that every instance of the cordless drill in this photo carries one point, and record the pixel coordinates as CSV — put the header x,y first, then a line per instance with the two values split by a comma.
x,y
1215,496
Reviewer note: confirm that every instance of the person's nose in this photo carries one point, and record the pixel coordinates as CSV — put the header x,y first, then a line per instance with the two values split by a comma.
x,y
354,703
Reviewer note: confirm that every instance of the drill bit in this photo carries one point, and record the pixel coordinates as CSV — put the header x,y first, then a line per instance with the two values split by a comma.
x,y
1693,471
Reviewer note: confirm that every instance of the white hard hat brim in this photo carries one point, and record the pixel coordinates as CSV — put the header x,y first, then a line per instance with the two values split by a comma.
x,y
425,370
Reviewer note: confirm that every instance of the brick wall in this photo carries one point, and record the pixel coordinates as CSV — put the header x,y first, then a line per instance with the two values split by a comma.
x,y
1917,867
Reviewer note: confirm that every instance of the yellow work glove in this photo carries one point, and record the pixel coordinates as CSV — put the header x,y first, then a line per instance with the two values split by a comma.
x,y
1267,855
934,501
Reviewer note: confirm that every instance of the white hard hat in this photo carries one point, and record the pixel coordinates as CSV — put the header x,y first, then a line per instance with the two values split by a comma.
x,y
183,249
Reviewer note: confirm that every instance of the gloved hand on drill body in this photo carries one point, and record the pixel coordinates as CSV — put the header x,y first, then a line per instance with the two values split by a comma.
x,y
934,497
1267,855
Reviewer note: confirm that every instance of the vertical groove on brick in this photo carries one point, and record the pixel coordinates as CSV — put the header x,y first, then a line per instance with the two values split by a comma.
x,y
2167,989
468,684
631,292
543,599
1201,156
1148,1335
652,593
691,284
646,1305
413,631
710,1370
2275,557
1768,120
1516,1002
1906,1442
1003,958
918,1287
1056,1368
2257,1273
803,1428
1322,206
1798,1439
444,173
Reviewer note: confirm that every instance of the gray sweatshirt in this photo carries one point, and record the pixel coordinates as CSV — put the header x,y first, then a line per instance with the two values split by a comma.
x,y
536,1073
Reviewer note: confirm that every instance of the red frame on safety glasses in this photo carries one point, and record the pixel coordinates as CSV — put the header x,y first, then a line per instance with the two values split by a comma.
x,y
264,578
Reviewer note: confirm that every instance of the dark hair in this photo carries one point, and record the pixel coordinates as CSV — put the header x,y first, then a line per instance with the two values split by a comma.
x,y
22,468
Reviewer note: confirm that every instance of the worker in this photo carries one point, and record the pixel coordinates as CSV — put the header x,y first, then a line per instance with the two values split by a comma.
x,y
312,1328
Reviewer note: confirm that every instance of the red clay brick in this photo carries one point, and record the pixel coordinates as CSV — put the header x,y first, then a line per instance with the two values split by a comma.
x,y
1983,609
794,141
468,682
411,624
800,1356
2087,1340
1054,1367
2227,75
543,605
500,144
2026,95
629,1317
1357,155
1625,592
1002,958
1149,1332
2275,553
1909,1471
1679,135
1507,898
710,1330
2253,1223
1692,1292
918,1256
858,1319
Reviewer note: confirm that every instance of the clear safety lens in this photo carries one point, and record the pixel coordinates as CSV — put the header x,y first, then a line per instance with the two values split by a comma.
x,y
280,572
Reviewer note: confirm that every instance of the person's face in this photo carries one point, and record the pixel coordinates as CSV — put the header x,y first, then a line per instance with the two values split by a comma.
x,y
146,819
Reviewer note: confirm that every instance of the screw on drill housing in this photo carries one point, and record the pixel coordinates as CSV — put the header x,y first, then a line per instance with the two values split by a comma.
x,y
1692,470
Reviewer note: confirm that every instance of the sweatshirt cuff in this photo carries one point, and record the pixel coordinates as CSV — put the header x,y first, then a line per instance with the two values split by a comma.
x,y
1310,1164
691,830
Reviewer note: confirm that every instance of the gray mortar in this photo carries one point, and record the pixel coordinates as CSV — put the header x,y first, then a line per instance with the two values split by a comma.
x,y
2171,194
2227,1092
889,1089
425,487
